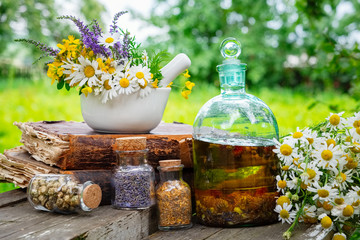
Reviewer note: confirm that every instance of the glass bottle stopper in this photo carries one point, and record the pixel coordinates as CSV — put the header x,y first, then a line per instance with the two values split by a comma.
x,y
230,49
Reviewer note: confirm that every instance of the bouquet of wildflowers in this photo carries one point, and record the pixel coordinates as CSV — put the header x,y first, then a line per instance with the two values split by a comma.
x,y
319,176
107,64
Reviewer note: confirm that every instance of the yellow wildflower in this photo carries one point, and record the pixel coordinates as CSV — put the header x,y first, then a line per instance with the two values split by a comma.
x,y
55,71
186,74
86,91
155,83
185,94
169,85
189,85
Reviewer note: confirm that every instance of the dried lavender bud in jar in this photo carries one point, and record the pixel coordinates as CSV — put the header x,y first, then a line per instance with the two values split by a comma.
x,y
133,189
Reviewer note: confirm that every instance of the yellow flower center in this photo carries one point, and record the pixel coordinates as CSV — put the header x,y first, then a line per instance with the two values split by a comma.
x,y
296,161
327,206
284,214
330,141
139,75
285,168
358,130
285,150
311,140
339,201
348,211
111,70
124,82
89,71
356,204
326,222
338,237
326,155
297,134
323,193
283,199
303,185
343,177
281,184
356,124
311,173
109,40
145,84
106,85
334,119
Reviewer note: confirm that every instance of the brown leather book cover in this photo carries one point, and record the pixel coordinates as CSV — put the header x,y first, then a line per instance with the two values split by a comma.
x,y
75,146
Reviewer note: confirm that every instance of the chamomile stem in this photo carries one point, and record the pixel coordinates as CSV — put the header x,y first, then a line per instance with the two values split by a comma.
x,y
296,220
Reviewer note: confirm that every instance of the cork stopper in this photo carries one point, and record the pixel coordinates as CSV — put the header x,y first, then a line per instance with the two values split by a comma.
x,y
92,196
130,143
170,165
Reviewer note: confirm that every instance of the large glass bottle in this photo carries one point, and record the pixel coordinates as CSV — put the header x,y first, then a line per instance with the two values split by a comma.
x,y
234,164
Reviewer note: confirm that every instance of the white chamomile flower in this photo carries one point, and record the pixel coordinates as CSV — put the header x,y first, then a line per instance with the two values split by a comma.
x,y
142,75
297,136
85,72
286,151
336,122
328,156
285,213
281,184
309,211
355,133
353,122
325,193
293,180
109,88
311,137
325,221
311,174
342,179
108,40
339,236
126,85
343,211
354,193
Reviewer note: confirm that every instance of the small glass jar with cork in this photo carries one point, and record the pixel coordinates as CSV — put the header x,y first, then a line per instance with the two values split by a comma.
x,y
173,197
62,193
133,179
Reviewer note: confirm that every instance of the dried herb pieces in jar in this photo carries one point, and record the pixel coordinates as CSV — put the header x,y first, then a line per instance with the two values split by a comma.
x,y
133,189
174,203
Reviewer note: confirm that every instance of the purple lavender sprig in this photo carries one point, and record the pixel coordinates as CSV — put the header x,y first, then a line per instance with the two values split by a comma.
x,y
96,28
113,28
89,38
42,46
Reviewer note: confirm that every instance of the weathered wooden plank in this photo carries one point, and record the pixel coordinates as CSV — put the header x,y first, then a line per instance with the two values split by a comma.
x,y
268,232
196,232
22,221
12,197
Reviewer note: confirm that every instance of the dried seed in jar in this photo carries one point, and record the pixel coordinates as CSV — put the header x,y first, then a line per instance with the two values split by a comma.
x,y
75,201
59,202
60,194
64,188
51,191
67,199
43,190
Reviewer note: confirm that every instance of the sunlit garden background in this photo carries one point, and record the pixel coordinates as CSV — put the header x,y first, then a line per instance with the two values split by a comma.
x,y
303,56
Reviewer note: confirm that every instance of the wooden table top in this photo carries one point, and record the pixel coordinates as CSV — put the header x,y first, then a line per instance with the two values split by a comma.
x,y
19,220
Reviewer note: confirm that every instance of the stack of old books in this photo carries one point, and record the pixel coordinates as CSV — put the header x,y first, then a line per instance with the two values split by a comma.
x,y
74,148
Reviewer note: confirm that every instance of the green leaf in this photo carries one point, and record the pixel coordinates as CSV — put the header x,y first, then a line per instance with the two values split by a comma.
x,y
60,84
67,86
